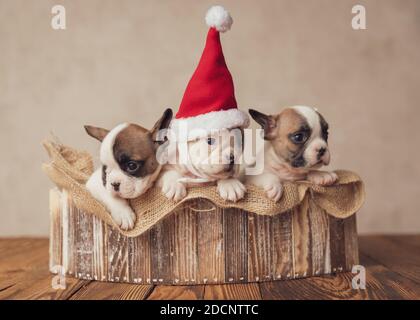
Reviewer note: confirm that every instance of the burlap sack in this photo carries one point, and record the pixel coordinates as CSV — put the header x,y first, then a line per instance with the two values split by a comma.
x,y
69,169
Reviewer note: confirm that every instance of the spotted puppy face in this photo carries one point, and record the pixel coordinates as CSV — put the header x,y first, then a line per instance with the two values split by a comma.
x,y
128,156
299,136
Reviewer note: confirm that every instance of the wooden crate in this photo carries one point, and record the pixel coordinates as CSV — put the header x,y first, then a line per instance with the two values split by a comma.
x,y
201,244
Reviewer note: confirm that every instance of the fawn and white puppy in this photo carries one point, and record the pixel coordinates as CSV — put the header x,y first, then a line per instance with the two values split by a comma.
x,y
129,166
211,159
296,147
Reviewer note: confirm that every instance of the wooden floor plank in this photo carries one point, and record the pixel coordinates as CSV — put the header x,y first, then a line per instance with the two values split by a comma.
x,y
392,272
394,255
38,285
412,241
162,292
238,291
387,284
96,290
315,288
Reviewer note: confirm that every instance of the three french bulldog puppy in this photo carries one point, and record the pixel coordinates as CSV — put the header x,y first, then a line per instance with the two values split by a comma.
x,y
296,147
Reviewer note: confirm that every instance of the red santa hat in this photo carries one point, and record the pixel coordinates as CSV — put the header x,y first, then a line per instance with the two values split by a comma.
x,y
209,102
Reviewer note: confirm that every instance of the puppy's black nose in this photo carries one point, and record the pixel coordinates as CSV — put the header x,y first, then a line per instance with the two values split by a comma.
x,y
321,152
116,186
232,159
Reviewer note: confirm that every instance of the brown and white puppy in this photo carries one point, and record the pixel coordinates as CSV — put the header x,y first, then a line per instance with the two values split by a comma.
x,y
129,166
296,146
213,159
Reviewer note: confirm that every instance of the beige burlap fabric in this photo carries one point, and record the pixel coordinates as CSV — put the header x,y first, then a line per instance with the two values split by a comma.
x,y
69,169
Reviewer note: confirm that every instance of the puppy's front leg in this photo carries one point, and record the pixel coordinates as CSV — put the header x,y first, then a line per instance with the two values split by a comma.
x,y
231,189
171,187
119,208
322,178
270,183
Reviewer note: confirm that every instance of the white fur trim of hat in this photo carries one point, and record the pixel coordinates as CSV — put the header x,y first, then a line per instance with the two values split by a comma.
x,y
200,126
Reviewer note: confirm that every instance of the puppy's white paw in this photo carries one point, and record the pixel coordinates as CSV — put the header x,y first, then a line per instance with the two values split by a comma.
x,y
124,217
174,190
274,190
231,189
322,178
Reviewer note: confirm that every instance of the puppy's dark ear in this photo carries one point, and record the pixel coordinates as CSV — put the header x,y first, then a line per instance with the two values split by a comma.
x,y
267,122
161,124
96,132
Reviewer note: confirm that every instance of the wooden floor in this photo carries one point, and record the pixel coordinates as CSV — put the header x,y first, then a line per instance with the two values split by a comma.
x,y
392,272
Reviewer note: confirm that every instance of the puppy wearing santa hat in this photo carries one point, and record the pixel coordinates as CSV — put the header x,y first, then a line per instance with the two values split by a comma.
x,y
208,128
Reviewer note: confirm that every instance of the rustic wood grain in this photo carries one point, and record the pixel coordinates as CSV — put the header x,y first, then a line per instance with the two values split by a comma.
x,y
38,286
315,288
83,244
184,252
117,259
100,249
351,245
320,240
282,246
210,244
24,275
337,244
202,244
163,292
56,234
237,291
397,257
259,247
112,291
383,283
235,233
162,241
139,258
301,231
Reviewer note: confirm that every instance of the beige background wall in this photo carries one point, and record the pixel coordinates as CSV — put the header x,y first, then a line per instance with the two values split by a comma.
x,y
128,60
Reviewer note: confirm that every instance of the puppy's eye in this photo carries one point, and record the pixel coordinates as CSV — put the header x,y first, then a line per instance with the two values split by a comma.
x,y
299,137
132,166
211,141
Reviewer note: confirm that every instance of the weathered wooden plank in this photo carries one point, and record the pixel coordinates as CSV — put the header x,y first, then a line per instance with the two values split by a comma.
x,y
237,291
56,235
407,240
315,288
117,248
112,291
235,233
24,273
320,240
259,242
395,256
139,258
162,244
100,250
351,247
282,246
38,286
337,244
211,247
302,253
69,215
184,251
163,292
83,244
382,283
